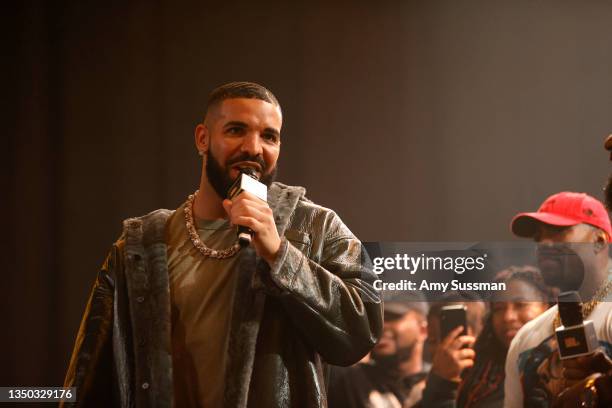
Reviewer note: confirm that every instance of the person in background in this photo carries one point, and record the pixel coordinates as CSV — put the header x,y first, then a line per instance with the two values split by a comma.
x,y
526,297
482,383
594,388
395,373
447,360
476,309
572,232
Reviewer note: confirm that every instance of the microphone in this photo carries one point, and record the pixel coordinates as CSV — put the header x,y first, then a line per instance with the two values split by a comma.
x,y
247,181
575,337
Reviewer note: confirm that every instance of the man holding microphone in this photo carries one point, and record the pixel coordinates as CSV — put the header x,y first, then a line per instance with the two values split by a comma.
x,y
183,315
572,231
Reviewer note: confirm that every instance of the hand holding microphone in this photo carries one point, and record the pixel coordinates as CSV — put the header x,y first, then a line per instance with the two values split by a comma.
x,y
575,337
578,345
247,181
248,209
595,391
579,368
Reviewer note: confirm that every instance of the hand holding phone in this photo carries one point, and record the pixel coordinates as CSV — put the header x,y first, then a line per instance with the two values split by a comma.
x,y
454,353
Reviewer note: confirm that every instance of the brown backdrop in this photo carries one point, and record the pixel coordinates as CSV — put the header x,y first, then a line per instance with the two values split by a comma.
x,y
415,120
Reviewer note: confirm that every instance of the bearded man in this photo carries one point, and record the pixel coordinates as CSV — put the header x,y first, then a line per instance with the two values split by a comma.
x,y
572,232
594,373
181,315
395,374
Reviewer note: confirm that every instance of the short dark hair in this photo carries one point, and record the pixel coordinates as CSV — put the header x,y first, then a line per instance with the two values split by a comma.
x,y
529,274
249,90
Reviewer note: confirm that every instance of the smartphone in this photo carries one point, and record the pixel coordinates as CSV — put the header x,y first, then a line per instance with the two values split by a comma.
x,y
452,317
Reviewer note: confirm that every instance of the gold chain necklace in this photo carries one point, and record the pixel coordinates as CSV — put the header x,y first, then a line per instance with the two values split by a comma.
x,y
195,238
588,307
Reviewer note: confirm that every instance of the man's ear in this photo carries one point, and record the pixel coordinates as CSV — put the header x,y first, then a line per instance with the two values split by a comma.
x,y
202,139
601,241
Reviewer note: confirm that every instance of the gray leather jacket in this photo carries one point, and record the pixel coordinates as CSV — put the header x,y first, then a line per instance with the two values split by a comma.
x,y
315,305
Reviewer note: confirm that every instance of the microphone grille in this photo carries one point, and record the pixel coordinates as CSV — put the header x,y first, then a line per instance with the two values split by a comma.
x,y
570,308
250,171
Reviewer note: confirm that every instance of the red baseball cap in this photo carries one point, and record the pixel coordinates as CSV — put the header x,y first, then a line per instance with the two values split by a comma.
x,y
563,210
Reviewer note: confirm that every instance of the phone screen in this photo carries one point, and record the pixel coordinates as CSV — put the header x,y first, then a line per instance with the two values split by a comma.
x,y
452,317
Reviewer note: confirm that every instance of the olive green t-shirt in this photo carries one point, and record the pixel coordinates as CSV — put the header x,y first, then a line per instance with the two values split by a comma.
x,y
201,292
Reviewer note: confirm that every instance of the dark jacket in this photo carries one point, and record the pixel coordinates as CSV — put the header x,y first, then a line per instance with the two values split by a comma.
x,y
315,305
373,385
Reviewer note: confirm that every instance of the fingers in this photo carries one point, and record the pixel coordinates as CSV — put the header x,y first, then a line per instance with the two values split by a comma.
x,y
257,213
596,362
467,340
246,196
466,353
247,212
462,341
246,203
452,336
248,222
573,394
452,357
578,368
467,363
227,206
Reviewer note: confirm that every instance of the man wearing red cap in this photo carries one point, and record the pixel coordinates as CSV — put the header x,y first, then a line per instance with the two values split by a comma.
x,y
572,231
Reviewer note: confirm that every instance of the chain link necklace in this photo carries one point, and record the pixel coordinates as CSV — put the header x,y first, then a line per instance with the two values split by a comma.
x,y
588,307
195,238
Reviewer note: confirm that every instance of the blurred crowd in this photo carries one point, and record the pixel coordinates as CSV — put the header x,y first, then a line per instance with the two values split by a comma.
x,y
506,354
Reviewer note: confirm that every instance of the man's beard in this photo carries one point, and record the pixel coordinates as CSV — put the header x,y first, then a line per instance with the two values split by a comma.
x,y
608,193
220,179
561,267
392,361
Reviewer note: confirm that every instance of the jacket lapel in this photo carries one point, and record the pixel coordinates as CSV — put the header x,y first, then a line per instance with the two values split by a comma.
x,y
244,327
149,303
